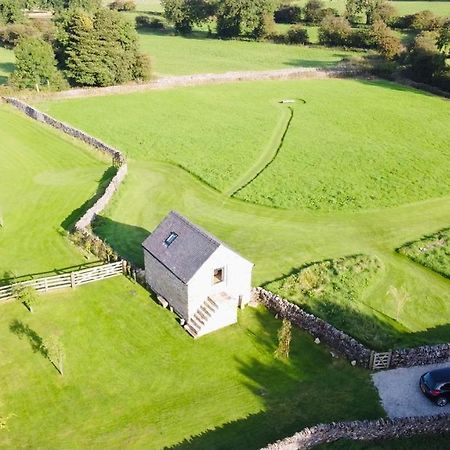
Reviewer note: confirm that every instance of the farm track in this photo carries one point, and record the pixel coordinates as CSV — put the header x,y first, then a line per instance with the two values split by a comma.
x,y
206,78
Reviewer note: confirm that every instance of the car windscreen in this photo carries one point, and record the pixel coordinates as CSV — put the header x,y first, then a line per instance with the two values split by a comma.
x,y
428,378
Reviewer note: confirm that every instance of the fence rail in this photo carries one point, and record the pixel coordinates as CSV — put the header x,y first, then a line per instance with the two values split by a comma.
x,y
66,280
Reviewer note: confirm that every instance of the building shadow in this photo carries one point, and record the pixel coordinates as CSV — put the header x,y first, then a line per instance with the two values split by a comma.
x,y
125,239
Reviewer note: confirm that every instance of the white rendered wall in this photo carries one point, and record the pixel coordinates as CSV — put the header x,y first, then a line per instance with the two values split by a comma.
x,y
237,281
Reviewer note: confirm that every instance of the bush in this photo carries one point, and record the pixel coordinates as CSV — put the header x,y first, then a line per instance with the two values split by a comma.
x,y
386,42
425,21
123,5
10,11
297,35
384,12
334,31
424,59
288,14
149,23
313,11
361,38
402,22
12,33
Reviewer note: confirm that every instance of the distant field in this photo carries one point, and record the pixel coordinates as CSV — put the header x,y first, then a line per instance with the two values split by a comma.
x,y
6,64
176,55
135,379
441,8
403,7
44,178
167,129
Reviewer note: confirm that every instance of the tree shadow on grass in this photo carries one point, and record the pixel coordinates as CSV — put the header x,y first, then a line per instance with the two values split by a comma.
x,y
307,389
22,330
125,239
71,219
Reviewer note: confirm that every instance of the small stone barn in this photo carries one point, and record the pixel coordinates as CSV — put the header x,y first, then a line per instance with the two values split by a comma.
x,y
202,279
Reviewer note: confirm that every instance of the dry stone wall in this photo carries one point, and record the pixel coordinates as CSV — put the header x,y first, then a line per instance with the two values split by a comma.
x,y
363,430
336,339
344,344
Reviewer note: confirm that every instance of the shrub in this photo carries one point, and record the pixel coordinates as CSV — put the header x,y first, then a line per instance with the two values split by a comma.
x,y
402,22
297,35
149,23
288,14
384,11
424,59
386,42
334,31
123,5
10,11
425,21
361,38
313,11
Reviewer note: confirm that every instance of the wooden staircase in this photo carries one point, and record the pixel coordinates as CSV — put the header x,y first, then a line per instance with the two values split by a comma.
x,y
203,314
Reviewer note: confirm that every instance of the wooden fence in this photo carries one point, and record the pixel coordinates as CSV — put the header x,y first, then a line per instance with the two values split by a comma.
x,y
71,279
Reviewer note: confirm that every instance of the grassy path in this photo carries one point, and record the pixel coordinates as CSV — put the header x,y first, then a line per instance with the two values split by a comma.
x,y
269,153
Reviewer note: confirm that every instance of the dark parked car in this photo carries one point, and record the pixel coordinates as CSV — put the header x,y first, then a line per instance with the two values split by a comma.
x,y
436,385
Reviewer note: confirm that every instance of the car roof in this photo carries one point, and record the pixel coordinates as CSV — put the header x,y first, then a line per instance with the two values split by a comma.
x,y
440,375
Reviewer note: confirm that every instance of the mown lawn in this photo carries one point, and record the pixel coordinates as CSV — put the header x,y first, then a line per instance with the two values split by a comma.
x,y
6,64
45,177
134,379
371,130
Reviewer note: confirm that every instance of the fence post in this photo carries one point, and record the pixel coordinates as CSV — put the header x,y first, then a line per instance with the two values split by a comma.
x,y
45,284
72,279
124,267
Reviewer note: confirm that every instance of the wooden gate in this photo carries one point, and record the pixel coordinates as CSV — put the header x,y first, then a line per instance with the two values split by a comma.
x,y
379,361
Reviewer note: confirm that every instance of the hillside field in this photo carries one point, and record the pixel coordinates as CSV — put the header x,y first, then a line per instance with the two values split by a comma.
x,y
171,139
45,177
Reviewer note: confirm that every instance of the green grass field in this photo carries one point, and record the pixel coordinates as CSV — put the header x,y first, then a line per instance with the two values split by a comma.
x,y
176,55
182,126
133,378
6,64
44,178
440,8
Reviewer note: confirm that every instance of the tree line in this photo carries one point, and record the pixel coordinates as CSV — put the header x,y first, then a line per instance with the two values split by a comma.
x,y
366,24
84,44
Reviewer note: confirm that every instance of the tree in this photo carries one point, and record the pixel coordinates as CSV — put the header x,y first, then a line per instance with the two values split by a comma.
x,y
184,14
55,353
100,49
10,11
288,14
25,294
236,17
385,40
384,11
284,340
367,7
35,65
400,297
313,11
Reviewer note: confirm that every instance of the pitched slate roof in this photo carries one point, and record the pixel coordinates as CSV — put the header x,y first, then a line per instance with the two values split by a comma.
x,y
187,252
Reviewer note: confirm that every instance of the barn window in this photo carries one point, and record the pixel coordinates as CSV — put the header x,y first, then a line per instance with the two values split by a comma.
x,y
169,240
218,275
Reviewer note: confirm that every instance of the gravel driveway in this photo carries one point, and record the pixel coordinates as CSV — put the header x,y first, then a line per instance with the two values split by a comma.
x,y
400,393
